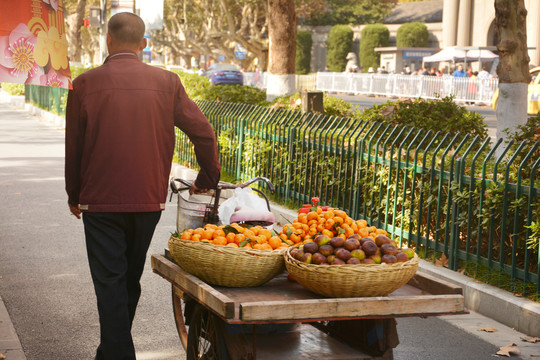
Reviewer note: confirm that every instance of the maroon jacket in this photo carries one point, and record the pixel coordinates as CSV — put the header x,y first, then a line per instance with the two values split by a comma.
x,y
120,137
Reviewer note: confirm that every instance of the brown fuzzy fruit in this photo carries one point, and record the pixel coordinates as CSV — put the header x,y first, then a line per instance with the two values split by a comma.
x,y
389,259
343,254
401,257
370,248
318,258
311,247
388,249
382,239
376,258
351,244
364,239
322,240
337,241
326,249
359,254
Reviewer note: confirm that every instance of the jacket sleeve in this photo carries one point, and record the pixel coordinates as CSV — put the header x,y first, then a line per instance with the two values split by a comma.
x,y
73,147
190,119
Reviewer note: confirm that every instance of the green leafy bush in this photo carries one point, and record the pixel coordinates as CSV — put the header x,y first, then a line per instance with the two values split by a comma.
x,y
78,70
340,40
303,51
13,89
372,36
200,88
234,94
413,34
436,115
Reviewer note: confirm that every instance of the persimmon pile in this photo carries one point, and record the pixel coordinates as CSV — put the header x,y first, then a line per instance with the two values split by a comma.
x,y
326,221
235,235
305,228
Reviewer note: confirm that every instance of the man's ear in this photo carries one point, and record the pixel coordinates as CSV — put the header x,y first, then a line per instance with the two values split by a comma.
x,y
143,44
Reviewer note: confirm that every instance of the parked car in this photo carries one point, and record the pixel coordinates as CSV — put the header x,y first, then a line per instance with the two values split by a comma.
x,y
224,74
533,94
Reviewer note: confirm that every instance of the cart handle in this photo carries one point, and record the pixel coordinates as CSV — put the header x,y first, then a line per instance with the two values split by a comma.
x,y
223,185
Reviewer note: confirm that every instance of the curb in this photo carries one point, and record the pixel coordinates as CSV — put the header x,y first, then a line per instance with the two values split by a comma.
x,y
10,346
518,313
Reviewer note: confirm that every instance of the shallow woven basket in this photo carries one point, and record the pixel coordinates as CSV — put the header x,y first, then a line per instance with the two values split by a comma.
x,y
360,280
225,265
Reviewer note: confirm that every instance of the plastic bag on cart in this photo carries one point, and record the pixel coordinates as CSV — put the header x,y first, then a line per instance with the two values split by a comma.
x,y
242,198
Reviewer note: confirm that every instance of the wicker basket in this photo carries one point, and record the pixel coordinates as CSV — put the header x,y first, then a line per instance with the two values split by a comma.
x,y
227,266
351,280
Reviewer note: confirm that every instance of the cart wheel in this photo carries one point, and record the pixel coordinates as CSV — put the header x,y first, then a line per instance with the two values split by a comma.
x,y
205,337
178,310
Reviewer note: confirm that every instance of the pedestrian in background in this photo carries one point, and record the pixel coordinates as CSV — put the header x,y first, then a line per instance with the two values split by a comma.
x,y
459,72
120,137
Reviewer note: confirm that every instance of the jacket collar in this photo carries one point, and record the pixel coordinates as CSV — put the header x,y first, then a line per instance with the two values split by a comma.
x,y
123,54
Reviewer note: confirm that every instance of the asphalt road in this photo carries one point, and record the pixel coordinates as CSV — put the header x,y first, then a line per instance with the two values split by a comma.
x,y
46,285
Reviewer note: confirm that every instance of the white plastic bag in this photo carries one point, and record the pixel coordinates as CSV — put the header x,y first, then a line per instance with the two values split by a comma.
x,y
241,198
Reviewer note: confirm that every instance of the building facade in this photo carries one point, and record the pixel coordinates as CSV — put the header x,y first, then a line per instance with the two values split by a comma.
x,y
472,23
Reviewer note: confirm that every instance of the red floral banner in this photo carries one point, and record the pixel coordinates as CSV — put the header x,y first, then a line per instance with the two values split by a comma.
x,y
33,45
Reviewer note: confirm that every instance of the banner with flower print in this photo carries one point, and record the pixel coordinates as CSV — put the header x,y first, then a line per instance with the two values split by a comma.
x,y
33,45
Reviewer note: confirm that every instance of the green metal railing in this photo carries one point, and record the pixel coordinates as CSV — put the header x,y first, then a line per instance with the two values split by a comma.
x,y
52,99
445,193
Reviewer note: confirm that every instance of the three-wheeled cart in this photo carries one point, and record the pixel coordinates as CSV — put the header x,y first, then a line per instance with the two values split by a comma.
x,y
282,320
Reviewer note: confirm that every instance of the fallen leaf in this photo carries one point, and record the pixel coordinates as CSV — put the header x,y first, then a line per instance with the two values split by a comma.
x,y
443,261
508,350
2,356
531,339
518,294
488,329
462,271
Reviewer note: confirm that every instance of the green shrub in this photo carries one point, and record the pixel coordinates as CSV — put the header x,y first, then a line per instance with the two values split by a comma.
x,y
436,115
234,94
78,70
200,88
372,36
13,89
303,51
340,40
413,34
194,84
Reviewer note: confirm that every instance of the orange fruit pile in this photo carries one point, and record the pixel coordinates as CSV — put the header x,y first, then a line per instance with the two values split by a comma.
x,y
327,221
235,235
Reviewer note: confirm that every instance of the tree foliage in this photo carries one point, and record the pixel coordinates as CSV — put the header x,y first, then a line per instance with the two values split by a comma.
x,y
413,34
353,12
340,40
303,51
372,36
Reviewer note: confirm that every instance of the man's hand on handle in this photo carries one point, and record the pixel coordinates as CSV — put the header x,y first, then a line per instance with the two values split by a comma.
x,y
76,211
195,190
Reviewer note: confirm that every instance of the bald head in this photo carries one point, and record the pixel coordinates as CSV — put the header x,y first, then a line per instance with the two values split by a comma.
x,y
125,32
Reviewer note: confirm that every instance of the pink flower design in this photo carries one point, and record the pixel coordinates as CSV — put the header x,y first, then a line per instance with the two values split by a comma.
x,y
52,78
53,3
17,62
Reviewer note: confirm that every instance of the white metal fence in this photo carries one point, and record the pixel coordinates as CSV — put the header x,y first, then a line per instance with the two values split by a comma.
x,y
470,90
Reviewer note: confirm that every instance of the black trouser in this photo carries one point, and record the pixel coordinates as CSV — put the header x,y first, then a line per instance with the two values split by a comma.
x,y
117,244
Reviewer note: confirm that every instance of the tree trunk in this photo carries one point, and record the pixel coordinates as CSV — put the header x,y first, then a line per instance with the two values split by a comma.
x,y
74,23
282,48
513,68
